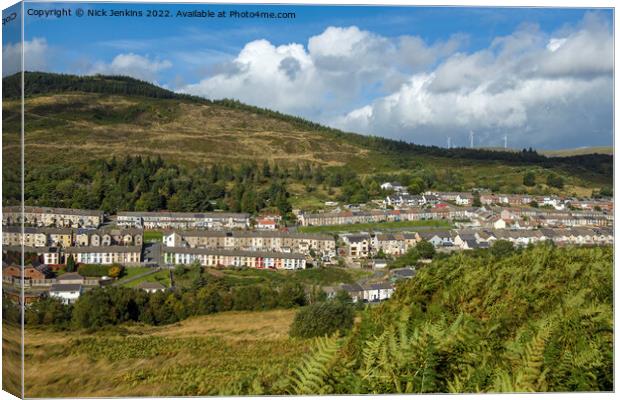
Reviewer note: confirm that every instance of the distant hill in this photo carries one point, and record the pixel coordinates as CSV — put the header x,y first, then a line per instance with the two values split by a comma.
x,y
578,151
609,150
72,120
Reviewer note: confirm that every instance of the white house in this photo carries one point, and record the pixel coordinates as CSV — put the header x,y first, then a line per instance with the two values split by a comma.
x,y
68,293
378,291
269,224
173,240
463,199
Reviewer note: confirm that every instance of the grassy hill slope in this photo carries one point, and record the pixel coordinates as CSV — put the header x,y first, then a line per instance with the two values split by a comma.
x,y
212,355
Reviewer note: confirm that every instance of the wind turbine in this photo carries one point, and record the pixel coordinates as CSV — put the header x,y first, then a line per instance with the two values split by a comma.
x,y
471,139
505,141
449,142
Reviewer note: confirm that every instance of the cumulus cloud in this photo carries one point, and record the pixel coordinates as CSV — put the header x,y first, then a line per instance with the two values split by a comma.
x,y
36,54
133,65
541,90
546,89
335,69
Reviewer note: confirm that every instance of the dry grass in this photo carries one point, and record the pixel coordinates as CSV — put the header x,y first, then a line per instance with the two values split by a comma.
x,y
11,358
192,133
199,356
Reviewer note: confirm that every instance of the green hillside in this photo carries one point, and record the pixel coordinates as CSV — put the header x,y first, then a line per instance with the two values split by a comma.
x,y
72,123
537,320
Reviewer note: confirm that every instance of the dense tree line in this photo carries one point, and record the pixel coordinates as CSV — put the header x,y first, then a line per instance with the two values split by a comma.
x,y
151,184
147,184
42,83
110,306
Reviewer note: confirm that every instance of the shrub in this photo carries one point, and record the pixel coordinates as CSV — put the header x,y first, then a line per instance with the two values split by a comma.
x,y
116,270
529,179
322,319
502,248
425,249
70,263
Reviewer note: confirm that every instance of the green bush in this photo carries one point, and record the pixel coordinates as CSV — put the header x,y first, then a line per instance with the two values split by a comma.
x,y
502,248
322,319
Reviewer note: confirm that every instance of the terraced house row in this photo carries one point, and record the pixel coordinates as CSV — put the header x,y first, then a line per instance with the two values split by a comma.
x,y
52,217
307,244
68,237
234,258
410,214
364,245
180,220
106,255
76,218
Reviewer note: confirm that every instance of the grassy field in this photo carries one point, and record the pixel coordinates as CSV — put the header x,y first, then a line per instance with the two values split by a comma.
x,y
374,226
209,355
153,236
162,277
130,272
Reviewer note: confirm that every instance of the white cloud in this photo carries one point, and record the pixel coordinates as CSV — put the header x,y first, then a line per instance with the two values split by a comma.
x,y
540,90
336,69
133,65
36,54
555,43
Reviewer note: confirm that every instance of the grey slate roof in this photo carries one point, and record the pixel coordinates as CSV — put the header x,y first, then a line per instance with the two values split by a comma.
x,y
104,249
65,287
404,272
250,234
69,276
52,210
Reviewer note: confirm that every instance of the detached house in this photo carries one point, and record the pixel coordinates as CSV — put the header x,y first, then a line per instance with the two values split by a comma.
x,y
68,293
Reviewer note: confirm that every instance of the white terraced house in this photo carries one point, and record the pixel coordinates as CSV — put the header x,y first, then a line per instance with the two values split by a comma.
x,y
52,217
228,258
178,220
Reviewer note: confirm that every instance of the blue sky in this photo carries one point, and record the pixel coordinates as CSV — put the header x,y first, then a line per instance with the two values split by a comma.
x,y
390,71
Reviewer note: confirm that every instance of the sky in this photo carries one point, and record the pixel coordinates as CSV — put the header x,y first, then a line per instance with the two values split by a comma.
x,y
539,77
